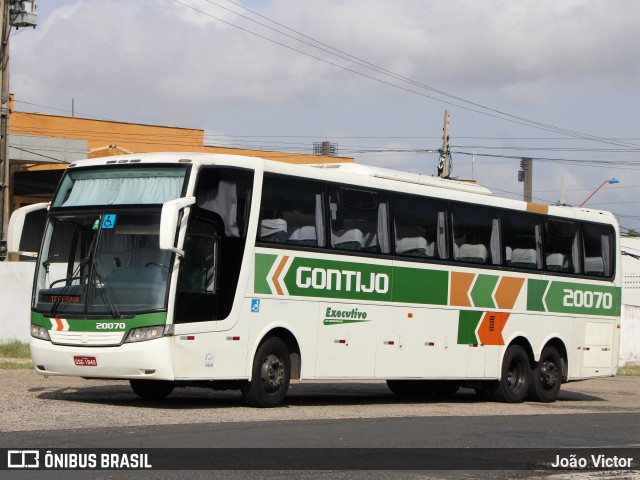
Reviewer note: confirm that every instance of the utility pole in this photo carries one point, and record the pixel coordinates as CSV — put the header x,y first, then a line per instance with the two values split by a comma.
x,y
445,153
13,13
4,122
526,175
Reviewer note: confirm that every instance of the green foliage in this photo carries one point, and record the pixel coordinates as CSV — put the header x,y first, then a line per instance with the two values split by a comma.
x,y
21,365
630,369
14,349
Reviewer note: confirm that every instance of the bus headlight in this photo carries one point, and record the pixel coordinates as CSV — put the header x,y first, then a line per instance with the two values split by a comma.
x,y
40,332
144,334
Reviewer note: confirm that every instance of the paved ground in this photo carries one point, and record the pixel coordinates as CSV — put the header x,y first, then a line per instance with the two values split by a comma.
x,y
38,408
65,402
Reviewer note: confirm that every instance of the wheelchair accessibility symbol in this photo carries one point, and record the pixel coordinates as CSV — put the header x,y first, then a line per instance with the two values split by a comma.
x,y
109,221
255,305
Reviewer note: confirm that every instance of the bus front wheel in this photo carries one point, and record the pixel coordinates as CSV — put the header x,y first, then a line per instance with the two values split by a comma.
x,y
515,376
546,378
151,389
270,375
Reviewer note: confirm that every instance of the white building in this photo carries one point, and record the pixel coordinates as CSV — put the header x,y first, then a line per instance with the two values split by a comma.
x,y
630,334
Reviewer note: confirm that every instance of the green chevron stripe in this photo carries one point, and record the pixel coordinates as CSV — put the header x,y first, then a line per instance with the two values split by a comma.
x,y
264,263
483,289
467,324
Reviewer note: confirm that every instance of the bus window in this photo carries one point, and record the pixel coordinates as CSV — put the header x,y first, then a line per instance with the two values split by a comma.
x,y
291,212
561,246
359,220
197,281
476,235
522,241
227,192
416,227
597,248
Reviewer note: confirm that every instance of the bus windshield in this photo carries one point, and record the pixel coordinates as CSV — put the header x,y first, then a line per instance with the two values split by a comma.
x,y
120,186
102,264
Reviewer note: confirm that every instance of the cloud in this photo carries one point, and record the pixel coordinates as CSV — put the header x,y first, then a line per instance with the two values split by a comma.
x,y
571,63
127,51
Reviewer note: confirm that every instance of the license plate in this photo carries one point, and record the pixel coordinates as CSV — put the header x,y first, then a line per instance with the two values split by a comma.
x,y
85,361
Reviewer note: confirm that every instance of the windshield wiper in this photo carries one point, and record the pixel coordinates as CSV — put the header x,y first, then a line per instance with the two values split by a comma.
x,y
103,289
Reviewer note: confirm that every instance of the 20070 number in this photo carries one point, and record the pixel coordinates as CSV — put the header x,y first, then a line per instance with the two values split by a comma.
x,y
587,299
110,326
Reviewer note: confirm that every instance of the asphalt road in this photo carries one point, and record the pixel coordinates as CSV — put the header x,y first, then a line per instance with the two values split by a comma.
x,y
73,413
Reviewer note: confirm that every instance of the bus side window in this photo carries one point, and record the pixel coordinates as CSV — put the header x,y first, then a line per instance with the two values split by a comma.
x,y
291,212
522,241
359,220
419,227
476,235
562,250
597,249
227,192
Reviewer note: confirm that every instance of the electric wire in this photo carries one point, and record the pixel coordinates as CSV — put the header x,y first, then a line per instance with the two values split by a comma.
x,y
496,113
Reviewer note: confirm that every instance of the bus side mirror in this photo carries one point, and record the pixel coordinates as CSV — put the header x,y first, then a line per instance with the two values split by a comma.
x,y
169,223
16,226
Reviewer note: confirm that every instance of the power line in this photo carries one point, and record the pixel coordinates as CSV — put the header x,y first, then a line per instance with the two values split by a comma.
x,y
387,72
57,160
86,115
363,63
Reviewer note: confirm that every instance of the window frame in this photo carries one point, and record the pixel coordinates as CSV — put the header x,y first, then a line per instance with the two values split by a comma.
x,y
496,213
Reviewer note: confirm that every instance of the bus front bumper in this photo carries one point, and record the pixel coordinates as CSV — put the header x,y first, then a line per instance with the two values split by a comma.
x,y
151,359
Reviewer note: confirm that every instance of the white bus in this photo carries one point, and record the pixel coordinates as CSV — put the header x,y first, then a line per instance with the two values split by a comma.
x,y
224,271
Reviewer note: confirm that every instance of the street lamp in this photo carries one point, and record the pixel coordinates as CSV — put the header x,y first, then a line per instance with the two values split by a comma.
x,y
611,180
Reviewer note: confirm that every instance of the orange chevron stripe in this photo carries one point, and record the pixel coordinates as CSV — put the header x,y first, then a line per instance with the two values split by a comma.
x,y
490,330
59,324
460,285
508,291
276,275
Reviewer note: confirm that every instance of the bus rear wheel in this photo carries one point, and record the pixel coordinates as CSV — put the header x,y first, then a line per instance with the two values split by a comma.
x,y
546,378
514,378
151,389
270,375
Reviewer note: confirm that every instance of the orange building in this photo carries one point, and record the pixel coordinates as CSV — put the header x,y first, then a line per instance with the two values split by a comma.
x,y
42,145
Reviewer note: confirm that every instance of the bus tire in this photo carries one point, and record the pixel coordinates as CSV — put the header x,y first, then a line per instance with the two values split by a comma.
x,y
546,378
515,376
151,389
270,375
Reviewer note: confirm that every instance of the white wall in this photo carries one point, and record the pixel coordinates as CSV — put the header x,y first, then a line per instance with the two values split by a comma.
x,y
630,328
630,335
16,280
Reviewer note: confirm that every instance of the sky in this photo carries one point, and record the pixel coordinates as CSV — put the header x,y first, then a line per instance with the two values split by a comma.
x,y
554,81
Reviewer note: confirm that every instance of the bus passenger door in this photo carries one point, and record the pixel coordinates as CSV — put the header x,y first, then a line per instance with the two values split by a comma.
x,y
197,290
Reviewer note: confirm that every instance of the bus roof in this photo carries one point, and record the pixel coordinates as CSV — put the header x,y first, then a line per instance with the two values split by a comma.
x,y
350,172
